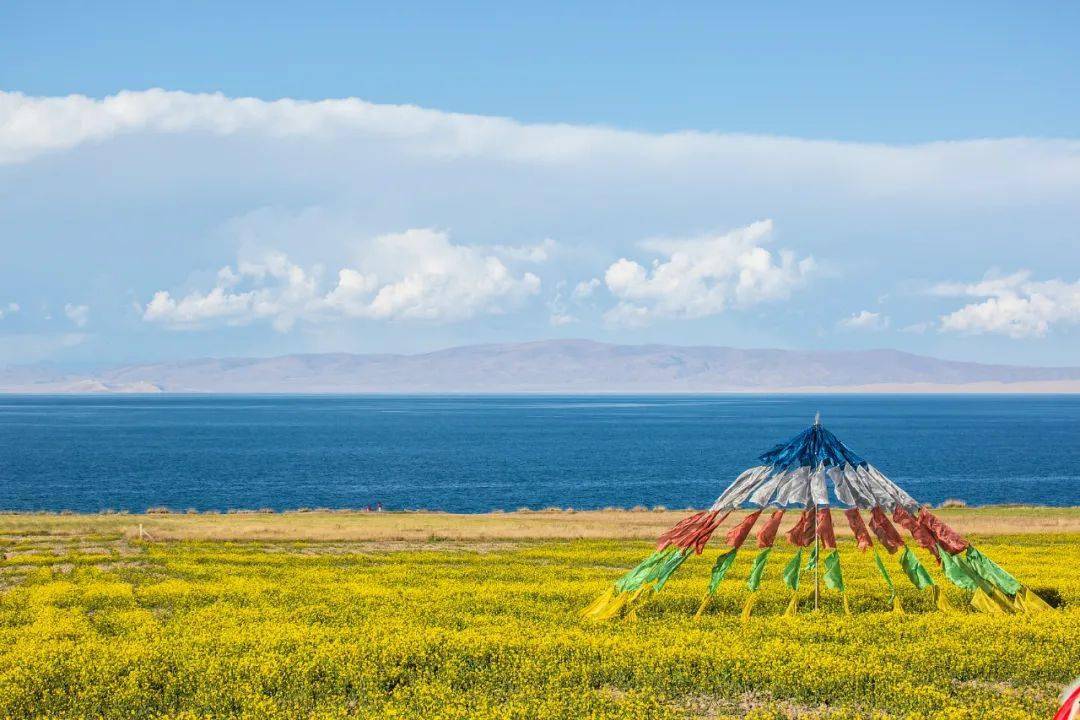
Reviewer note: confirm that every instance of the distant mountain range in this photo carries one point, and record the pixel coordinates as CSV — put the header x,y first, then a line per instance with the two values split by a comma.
x,y
556,366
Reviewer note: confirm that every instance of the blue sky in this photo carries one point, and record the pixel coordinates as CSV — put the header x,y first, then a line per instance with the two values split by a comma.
x,y
774,177
851,71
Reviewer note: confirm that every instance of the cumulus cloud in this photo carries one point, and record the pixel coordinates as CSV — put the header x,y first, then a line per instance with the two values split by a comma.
x,y
78,314
1014,305
365,167
703,276
281,292
865,320
10,309
418,274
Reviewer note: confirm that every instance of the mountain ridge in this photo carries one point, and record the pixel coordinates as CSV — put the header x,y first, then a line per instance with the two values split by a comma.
x,y
556,366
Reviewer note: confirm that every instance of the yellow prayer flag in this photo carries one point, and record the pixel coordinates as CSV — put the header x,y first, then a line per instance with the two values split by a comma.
x,y
1027,601
704,604
749,606
940,600
984,603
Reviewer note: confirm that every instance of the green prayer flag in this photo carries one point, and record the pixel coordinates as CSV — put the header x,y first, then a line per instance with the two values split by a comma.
x,y
793,570
756,570
914,570
720,569
644,572
669,566
834,579
988,570
958,570
885,575
812,563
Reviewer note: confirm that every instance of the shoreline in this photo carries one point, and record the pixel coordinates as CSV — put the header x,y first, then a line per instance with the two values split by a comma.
x,y
434,527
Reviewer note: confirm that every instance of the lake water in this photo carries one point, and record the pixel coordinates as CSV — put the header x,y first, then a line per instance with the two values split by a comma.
x,y
472,454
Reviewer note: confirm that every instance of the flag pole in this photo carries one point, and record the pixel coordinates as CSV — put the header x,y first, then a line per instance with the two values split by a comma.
x,y
817,556
817,541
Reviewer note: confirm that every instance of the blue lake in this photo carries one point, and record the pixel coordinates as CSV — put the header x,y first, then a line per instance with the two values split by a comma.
x,y
472,454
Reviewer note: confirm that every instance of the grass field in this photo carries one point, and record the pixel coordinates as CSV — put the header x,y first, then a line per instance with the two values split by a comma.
x,y
336,615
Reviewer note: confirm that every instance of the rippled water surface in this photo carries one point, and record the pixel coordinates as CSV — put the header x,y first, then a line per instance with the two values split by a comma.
x,y
478,453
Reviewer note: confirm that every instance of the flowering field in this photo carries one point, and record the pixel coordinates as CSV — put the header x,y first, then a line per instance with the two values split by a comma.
x,y
107,627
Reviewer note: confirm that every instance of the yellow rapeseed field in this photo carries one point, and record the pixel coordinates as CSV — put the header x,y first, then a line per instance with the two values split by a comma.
x,y
108,627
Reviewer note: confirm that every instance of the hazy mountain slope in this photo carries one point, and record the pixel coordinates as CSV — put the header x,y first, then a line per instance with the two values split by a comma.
x,y
546,366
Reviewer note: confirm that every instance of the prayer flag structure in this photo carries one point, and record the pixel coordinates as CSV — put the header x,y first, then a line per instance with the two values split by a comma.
x,y
814,472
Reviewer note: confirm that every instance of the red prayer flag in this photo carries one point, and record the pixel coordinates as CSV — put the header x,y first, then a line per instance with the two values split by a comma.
x,y
802,534
922,536
858,527
737,535
886,533
825,528
948,538
766,534
692,532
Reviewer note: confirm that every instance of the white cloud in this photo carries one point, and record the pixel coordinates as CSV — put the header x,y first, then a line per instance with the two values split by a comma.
x,y
702,276
585,289
560,315
629,315
917,328
416,274
539,253
865,320
78,314
10,309
1014,305
188,159
1009,170
560,319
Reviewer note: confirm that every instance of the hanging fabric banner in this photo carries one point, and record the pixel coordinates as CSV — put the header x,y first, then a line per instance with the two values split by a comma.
x,y
986,603
991,572
766,534
737,535
720,569
793,570
825,528
886,534
748,606
914,570
922,536
893,597
940,600
945,536
858,529
757,569
885,575
958,571
834,578
1027,601
802,533
692,532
